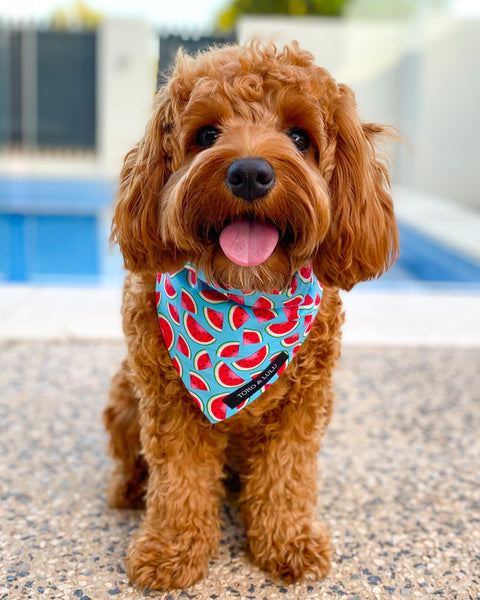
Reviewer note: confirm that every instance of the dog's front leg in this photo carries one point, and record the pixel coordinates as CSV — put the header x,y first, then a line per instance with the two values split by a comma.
x,y
181,529
278,501
184,454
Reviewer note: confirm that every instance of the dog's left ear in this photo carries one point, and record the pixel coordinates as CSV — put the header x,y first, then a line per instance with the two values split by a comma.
x,y
362,241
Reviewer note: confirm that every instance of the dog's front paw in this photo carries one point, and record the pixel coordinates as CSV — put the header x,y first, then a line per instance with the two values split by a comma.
x,y
306,555
159,563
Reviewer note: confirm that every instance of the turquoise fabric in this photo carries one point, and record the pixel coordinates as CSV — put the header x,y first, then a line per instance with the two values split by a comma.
x,y
228,346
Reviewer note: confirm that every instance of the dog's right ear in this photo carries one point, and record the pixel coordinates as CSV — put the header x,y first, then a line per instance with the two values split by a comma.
x,y
146,169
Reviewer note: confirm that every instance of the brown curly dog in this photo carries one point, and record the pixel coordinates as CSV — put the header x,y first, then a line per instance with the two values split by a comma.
x,y
305,167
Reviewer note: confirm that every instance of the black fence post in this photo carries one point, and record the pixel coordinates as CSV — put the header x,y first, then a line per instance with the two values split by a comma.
x,y
5,94
169,44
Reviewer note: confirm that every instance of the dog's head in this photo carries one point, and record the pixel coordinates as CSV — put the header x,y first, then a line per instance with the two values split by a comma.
x,y
255,164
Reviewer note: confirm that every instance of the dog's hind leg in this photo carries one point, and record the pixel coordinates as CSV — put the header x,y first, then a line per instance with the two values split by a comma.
x,y
128,480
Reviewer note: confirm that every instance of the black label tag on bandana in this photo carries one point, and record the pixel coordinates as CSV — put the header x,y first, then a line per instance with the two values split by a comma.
x,y
247,390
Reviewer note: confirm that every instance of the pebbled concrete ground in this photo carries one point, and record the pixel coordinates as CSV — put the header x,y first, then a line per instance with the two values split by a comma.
x,y
399,481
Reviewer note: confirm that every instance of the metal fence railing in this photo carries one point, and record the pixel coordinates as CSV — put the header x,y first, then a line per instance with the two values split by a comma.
x,y
5,93
47,88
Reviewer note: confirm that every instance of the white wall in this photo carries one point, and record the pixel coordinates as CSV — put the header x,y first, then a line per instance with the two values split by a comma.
x,y
126,80
448,138
352,51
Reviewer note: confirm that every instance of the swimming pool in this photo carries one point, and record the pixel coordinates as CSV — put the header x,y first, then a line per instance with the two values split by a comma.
x,y
56,231
424,260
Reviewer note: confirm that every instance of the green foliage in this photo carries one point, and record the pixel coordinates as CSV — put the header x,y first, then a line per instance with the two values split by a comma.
x,y
76,14
391,9
227,18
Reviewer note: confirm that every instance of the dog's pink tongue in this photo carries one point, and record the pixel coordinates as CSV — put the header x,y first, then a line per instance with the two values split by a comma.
x,y
248,243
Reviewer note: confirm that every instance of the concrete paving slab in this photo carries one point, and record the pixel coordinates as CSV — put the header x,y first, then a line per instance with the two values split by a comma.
x,y
418,317
34,312
426,318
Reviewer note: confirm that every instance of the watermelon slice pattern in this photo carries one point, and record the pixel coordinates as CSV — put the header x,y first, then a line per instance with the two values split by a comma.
x,y
219,339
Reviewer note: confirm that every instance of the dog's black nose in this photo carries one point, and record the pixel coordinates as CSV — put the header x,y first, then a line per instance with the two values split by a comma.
x,y
250,178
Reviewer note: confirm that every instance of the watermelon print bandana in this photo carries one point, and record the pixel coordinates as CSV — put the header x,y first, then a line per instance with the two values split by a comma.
x,y
228,346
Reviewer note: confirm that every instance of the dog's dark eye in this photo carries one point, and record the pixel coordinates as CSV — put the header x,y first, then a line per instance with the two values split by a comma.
x,y
300,138
207,136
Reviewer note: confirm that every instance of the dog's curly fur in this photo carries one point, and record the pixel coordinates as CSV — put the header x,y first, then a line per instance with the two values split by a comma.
x,y
332,208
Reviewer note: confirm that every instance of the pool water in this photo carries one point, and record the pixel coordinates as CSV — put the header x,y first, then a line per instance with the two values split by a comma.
x,y
423,259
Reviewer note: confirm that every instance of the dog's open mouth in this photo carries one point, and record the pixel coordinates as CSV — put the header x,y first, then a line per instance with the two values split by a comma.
x,y
248,243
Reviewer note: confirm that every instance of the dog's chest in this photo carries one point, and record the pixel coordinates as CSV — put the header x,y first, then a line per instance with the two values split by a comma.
x,y
228,347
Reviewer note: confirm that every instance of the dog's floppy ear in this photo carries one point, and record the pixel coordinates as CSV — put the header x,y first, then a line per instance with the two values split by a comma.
x,y
362,241
145,171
